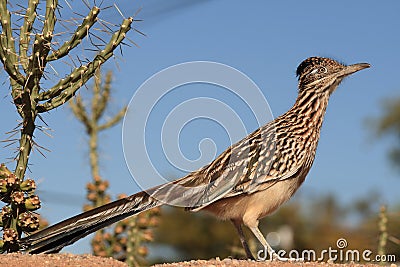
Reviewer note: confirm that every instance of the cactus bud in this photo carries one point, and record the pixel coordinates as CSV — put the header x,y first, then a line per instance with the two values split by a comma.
x,y
91,196
123,241
87,207
28,185
142,221
28,221
117,248
120,196
100,251
5,211
107,236
97,178
90,187
154,221
119,229
103,186
97,238
10,235
12,180
18,197
143,251
148,236
32,203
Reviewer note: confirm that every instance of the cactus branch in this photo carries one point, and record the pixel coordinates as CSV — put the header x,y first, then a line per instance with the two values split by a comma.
x,y
41,48
8,55
100,98
78,109
28,127
114,120
50,20
16,94
62,85
77,37
79,76
26,29
37,63
94,157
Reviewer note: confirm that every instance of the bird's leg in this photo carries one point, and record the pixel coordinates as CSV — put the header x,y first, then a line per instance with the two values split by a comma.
x,y
268,249
238,226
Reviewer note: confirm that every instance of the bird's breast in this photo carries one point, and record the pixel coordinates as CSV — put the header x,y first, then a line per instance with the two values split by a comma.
x,y
248,208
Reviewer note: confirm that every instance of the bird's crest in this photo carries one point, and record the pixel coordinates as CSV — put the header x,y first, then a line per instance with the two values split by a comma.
x,y
315,68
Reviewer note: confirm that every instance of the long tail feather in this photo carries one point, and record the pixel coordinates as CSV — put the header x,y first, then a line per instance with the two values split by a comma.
x,y
54,238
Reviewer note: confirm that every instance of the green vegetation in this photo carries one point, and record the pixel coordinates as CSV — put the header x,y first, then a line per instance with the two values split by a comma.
x,y
27,53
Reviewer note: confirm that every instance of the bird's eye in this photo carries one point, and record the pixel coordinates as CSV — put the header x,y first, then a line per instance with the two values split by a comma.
x,y
322,70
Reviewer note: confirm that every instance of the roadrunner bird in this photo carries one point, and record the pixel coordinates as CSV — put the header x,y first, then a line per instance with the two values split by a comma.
x,y
248,181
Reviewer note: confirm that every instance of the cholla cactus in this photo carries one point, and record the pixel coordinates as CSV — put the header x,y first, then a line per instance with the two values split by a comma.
x,y
126,240
28,46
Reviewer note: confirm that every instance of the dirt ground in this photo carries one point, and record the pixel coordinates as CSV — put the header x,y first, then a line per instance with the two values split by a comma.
x,y
248,263
70,260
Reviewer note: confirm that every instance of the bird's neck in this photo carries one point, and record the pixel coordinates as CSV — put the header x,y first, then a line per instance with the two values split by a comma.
x,y
309,109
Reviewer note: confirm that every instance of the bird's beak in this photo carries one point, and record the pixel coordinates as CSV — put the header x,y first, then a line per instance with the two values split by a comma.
x,y
352,69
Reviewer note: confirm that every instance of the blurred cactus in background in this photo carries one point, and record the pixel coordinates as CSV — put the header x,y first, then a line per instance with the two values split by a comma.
x,y
383,235
126,240
141,231
31,44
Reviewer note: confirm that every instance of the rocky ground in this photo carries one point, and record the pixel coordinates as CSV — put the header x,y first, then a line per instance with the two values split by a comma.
x,y
70,260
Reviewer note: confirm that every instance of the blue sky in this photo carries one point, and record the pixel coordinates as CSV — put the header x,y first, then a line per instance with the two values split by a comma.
x,y
265,40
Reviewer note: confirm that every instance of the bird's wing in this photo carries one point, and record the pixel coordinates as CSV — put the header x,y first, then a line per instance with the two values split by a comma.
x,y
246,167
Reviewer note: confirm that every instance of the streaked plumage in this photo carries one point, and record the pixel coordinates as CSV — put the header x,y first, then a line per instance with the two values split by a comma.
x,y
248,181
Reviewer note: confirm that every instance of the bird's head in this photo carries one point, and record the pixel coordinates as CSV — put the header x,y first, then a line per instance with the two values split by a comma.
x,y
324,74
